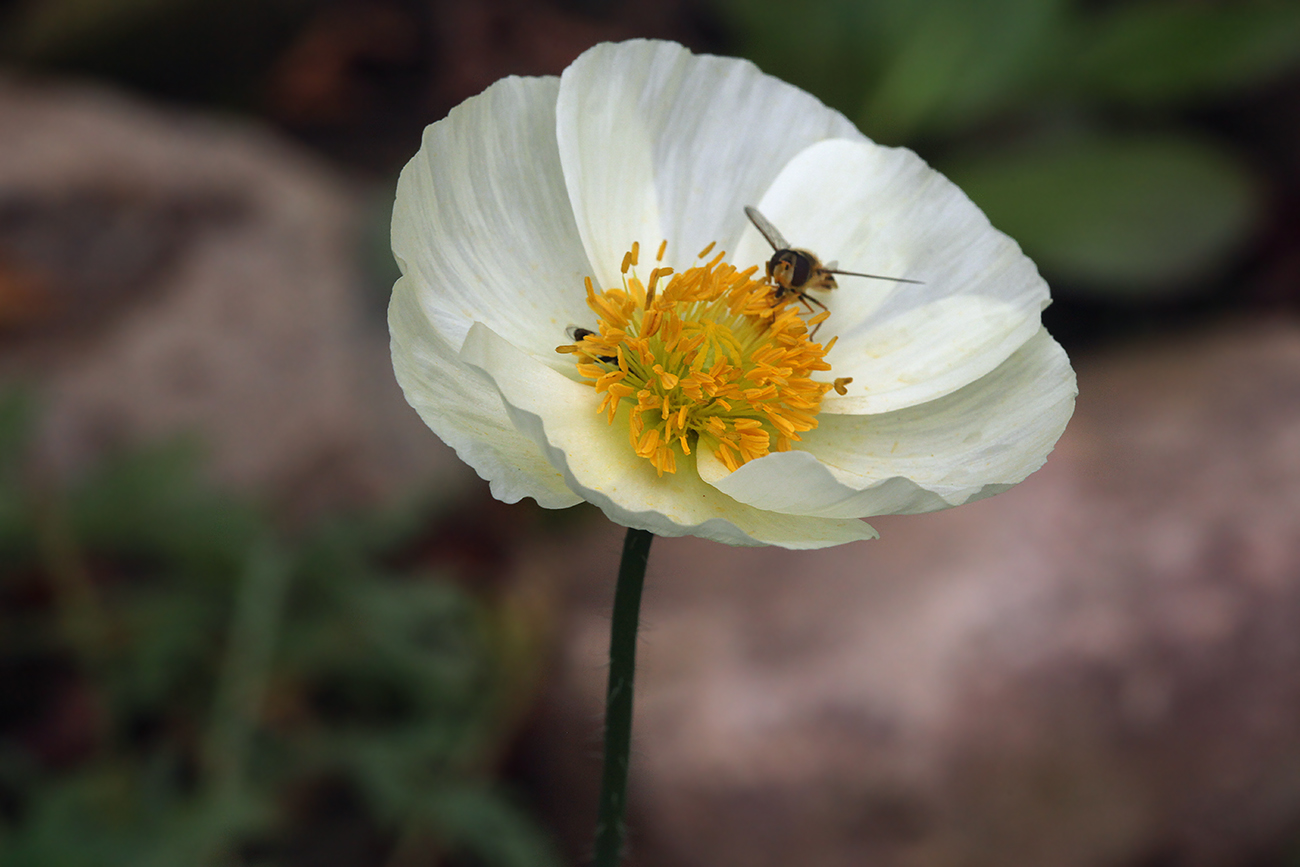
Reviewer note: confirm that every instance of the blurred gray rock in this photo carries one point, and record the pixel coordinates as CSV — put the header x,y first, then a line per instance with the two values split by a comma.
x,y
163,273
1100,667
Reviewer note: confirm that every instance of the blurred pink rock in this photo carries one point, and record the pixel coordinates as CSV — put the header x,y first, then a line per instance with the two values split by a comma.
x,y
163,273
1100,667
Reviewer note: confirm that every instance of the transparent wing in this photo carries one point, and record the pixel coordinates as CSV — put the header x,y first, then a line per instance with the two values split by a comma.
x,y
577,332
766,229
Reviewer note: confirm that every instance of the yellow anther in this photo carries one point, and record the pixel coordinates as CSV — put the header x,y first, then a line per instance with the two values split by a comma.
x,y
783,426
706,250
669,380
649,440
663,246
703,356
654,278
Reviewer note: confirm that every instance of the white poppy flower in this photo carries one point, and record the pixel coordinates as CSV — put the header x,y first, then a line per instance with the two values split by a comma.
x,y
685,415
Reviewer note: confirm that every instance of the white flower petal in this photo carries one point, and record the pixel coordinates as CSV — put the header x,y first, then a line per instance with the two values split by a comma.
x,y
970,444
488,169
598,462
884,211
464,410
658,143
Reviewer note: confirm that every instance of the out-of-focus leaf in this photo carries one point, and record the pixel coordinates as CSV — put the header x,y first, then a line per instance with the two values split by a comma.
x,y
374,674
105,815
1121,215
423,631
15,425
954,62
901,69
167,640
152,501
830,48
1167,52
479,820
15,429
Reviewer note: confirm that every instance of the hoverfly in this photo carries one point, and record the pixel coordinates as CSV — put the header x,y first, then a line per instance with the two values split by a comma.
x,y
795,271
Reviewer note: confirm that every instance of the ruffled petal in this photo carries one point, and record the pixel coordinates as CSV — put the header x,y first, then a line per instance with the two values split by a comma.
x,y
483,225
522,192
884,211
598,463
970,444
464,409
658,143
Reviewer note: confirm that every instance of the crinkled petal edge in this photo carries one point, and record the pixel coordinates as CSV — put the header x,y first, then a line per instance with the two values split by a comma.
x,y
595,459
464,409
971,444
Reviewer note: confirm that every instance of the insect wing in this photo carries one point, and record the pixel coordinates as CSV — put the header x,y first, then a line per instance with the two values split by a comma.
x,y
577,333
766,229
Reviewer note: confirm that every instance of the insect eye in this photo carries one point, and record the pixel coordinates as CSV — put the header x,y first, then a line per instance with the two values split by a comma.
x,y
802,269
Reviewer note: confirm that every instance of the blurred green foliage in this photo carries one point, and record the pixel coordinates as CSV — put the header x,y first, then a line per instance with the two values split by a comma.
x,y
1118,212
1070,123
180,682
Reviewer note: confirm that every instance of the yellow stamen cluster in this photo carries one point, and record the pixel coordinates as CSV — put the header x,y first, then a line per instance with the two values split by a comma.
x,y
707,358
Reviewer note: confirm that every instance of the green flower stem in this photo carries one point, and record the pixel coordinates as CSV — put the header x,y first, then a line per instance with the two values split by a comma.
x,y
618,697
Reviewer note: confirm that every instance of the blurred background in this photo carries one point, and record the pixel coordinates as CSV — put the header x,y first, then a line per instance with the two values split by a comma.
x,y
253,613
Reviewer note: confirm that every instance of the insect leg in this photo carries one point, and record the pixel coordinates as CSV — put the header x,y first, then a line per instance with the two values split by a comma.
x,y
809,301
